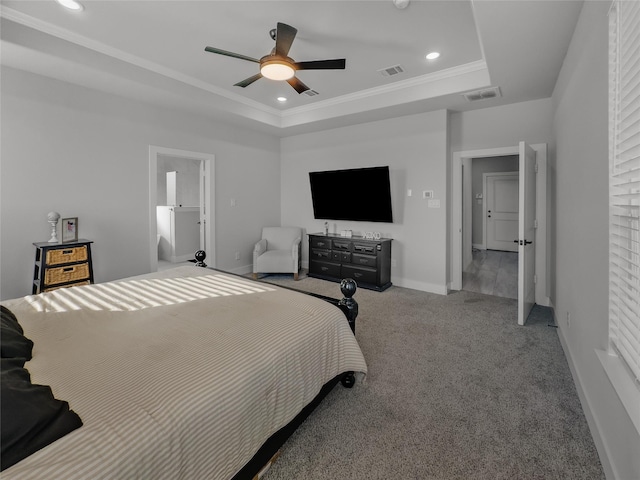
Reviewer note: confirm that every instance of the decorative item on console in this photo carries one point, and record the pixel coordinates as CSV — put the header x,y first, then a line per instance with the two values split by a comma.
x,y
372,235
346,233
52,218
70,229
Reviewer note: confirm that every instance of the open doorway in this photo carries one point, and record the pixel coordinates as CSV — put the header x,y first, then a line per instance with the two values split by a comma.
x,y
180,202
533,242
179,209
493,185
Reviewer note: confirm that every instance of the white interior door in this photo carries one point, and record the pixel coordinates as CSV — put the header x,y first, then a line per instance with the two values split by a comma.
x,y
203,205
526,232
501,210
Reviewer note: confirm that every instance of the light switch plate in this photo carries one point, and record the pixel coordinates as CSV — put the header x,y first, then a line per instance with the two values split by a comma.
x,y
434,203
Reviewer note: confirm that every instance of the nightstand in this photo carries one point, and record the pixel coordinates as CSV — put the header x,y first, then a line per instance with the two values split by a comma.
x,y
60,265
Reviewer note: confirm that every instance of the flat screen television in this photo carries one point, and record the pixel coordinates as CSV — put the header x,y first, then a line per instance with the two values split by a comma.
x,y
359,194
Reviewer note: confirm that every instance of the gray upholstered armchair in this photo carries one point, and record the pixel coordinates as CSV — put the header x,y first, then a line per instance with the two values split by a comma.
x,y
278,251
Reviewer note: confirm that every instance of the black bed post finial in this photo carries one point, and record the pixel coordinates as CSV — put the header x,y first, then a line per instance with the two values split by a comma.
x,y
200,256
348,304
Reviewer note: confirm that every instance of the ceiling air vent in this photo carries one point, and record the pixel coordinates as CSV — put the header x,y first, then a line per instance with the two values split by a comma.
x,y
492,92
391,71
311,93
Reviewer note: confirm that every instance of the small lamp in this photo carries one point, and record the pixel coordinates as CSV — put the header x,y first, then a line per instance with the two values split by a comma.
x,y
52,218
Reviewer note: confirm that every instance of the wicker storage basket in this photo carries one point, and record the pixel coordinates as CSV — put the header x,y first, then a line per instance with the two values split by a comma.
x,y
54,276
86,282
67,255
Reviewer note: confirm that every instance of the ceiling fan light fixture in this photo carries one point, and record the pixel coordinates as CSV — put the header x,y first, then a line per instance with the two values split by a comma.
x,y
277,70
401,4
71,5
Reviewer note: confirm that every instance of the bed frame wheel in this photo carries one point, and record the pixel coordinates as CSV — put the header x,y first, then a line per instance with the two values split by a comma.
x,y
348,380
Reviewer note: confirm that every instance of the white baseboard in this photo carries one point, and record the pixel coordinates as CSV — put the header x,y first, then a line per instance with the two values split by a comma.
x,y
422,286
241,270
181,258
479,246
594,426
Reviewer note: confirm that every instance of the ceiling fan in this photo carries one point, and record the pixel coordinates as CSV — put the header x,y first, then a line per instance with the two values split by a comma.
x,y
277,65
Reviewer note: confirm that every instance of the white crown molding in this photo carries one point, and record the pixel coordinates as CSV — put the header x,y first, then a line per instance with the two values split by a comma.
x,y
350,103
81,40
477,66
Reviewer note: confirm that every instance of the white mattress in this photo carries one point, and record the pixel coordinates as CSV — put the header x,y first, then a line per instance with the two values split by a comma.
x,y
182,374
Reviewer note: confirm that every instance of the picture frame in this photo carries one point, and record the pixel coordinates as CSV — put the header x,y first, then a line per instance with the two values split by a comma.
x,y
70,229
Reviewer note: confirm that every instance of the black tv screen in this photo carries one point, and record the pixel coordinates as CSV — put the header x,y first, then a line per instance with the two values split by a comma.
x,y
360,194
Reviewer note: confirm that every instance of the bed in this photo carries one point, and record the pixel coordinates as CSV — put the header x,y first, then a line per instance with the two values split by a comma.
x,y
188,373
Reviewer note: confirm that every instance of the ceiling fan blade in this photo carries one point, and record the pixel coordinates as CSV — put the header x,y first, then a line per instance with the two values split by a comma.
x,y
284,38
230,54
248,81
298,85
338,63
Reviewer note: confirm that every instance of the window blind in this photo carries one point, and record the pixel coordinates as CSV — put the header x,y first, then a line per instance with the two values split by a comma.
x,y
624,182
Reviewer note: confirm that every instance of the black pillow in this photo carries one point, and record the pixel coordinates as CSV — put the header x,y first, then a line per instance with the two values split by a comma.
x,y
13,344
31,417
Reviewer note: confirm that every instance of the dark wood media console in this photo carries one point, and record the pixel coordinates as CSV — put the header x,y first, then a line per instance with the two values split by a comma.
x,y
368,262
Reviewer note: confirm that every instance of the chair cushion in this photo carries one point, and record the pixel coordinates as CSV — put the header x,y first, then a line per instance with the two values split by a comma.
x,y
281,238
277,261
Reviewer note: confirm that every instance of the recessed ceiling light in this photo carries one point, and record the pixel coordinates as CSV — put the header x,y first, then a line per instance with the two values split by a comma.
x,y
71,5
432,55
282,99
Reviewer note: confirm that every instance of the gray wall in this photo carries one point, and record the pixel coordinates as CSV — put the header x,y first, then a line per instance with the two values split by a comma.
x,y
503,126
188,186
85,153
580,246
415,149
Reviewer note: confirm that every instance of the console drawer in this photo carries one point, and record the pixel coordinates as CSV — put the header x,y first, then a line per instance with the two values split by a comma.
x,y
364,260
67,255
367,249
342,257
320,255
344,245
360,274
55,276
319,242
324,268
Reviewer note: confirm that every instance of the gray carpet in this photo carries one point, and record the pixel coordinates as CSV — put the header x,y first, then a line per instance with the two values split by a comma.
x,y
455,390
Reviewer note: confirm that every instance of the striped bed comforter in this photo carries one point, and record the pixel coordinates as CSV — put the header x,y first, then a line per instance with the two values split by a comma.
x,y
182,374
